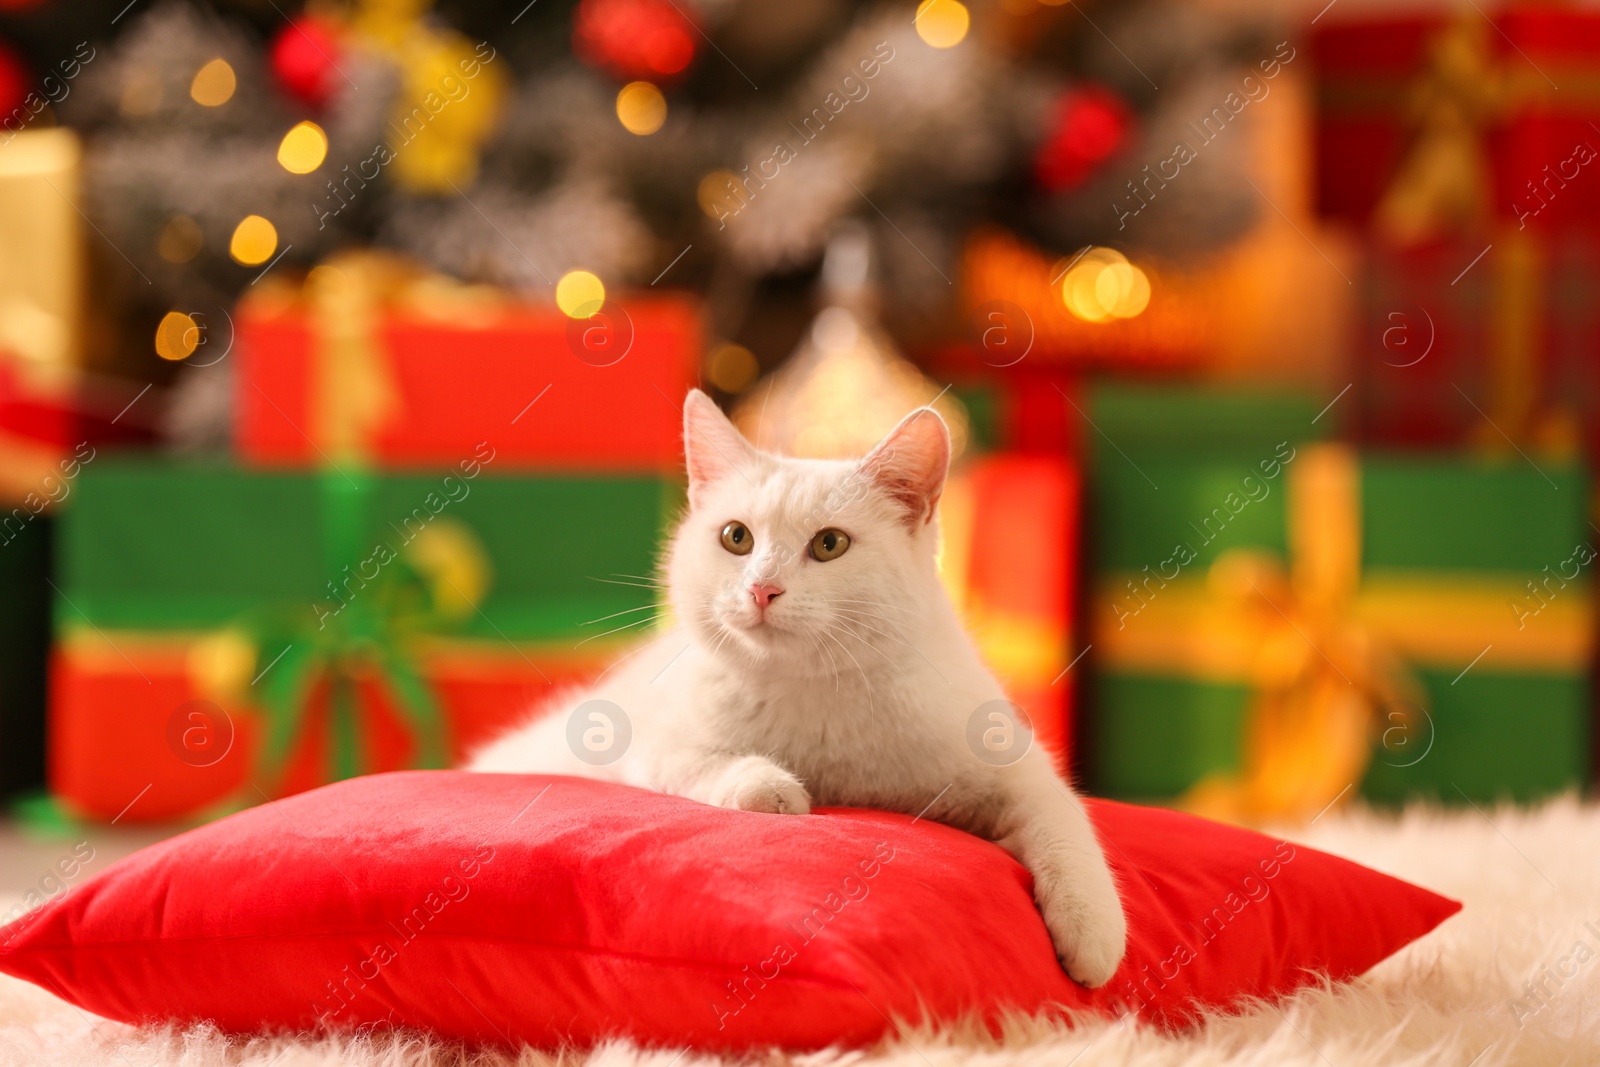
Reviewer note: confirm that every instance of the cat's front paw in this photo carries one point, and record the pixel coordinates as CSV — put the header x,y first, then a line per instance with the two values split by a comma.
x,y
755,783
1088,928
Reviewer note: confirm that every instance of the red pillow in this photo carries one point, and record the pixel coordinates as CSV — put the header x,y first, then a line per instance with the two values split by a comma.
x,y
511,908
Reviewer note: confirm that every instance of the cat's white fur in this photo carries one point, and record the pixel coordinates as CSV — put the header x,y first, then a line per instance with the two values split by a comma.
x,y
853,687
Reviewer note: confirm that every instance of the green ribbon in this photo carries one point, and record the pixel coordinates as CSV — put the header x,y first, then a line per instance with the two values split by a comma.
x,y
374,630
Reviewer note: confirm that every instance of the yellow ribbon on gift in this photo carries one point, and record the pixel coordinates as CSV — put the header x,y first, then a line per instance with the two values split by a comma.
x,y
352,392
347,300
1326,649
1442,187
1023,649
1442,183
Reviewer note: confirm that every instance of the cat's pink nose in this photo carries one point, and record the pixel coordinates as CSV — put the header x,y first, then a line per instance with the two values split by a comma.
x,y
765,593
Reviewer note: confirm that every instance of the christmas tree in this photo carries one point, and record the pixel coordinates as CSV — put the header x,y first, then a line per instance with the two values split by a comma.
x,y
709,144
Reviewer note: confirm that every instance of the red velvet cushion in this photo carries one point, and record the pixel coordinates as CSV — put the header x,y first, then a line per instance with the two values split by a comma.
x,y
505,907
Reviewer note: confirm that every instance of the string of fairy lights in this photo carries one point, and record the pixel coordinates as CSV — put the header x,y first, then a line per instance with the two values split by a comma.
x,y
1099,286
254,239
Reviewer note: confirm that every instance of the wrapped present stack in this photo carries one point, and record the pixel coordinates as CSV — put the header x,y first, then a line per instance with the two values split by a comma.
x,y
1281,620
445,505
426,531
1457,146
1460,148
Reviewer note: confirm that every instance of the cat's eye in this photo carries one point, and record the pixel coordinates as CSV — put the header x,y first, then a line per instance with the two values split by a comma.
x,y
829,544
737,538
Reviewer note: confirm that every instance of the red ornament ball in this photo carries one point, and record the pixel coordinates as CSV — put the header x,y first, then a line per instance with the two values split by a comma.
x,y
13,86
648,39
1088,125
305,60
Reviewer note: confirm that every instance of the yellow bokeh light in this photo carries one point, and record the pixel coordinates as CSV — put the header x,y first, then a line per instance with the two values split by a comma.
x,y
579,294
718,193
1110,283
214,84
1135,298
733,368
303,148
1103,285
942,23
177,336
1079,293
641,108
254,241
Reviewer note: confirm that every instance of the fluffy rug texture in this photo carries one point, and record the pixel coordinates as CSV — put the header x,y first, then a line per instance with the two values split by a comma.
x,y
1514,979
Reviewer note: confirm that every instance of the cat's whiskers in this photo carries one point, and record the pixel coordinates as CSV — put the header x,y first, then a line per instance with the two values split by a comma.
x,y
871,602
621,660
879,603
868,626
901,640
625,611
724,632
846,626
833,664
635,585
866,682
868,614
625,626
895,636
650,578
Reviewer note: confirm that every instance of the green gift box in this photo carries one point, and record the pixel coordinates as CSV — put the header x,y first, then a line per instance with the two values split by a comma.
x,y
312,625
1227,540
159,545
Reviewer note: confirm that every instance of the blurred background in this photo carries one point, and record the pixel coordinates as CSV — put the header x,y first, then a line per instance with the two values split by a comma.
x,y
342,346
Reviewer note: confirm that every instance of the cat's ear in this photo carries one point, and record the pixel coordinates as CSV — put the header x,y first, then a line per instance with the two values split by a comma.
x,y
911,462
713,448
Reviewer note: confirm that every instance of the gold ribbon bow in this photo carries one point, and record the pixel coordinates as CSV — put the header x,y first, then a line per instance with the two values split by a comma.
x,y
1442,184
1320,675
1326,646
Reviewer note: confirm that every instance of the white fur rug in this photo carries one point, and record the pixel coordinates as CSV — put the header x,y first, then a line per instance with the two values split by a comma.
x,y
1468,995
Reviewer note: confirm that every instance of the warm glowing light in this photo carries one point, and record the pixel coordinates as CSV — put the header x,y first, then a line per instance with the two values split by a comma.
x,y
180,240
942,23
177,336
718,193
254,241
1103,285
733,368
303,148
214,84
579,294
1135,297
641,108
1078,290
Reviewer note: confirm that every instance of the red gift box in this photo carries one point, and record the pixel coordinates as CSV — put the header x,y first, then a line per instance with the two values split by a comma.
x,y
1010,525
1479,117
548,392
132,735
47,434
1466,347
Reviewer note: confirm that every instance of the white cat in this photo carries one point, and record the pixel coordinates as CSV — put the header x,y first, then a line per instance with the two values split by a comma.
x,y
817,660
